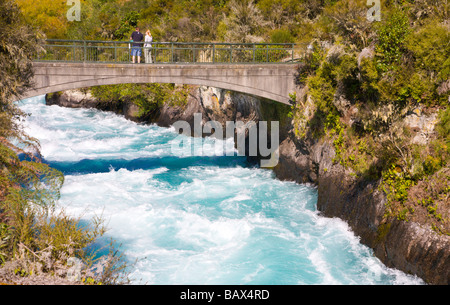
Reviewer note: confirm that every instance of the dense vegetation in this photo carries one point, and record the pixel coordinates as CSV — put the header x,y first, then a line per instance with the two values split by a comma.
x,y
36,236
363,79
368,86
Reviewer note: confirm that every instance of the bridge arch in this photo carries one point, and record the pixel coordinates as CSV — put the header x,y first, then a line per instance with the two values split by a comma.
x,y
270,81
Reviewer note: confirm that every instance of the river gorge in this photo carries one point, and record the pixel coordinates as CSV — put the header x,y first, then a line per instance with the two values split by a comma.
x,y
210,219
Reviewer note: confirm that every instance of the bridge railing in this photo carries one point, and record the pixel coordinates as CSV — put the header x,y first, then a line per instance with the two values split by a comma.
x,y
171,52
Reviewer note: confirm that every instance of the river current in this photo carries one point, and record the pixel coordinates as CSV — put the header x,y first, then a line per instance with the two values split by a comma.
x,y
209,219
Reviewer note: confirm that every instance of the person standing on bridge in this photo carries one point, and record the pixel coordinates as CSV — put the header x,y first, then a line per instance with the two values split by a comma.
x,y
147,47
137,38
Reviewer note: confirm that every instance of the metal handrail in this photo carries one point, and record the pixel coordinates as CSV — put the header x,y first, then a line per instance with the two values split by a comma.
x,y
171,52
181,43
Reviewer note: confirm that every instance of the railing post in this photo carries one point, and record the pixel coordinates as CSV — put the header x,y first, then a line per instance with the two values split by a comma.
x,y
292,46
231,54
115,51
172,60
214,53
254,53
84,50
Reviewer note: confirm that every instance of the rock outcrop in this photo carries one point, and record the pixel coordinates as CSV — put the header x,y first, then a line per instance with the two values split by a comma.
x,y
84,99
406,246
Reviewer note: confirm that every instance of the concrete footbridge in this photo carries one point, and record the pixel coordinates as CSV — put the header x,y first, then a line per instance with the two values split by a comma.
x,y
262,70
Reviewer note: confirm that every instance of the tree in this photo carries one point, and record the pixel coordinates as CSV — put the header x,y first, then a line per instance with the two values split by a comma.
x,y
48,15
19,43
23,183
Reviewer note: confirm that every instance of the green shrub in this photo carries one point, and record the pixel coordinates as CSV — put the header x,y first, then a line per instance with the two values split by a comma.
x,y
281,36
443,127
396,185
431,50
431,165
392,35
309,66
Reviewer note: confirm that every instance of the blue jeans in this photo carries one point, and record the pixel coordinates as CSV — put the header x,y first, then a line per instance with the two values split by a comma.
x,y
136,51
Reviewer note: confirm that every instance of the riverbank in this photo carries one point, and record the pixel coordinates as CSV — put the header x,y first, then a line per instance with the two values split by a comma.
x,y
408,246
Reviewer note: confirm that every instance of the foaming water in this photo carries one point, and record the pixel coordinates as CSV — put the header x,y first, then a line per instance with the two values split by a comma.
x,y
196,220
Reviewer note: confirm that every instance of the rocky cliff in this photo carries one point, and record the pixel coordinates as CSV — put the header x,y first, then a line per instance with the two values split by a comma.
x,y
408,246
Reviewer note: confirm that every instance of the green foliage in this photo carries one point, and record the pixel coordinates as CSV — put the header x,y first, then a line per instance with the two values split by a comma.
x,y
322,87
18,44
281,36
443,127
245,22
127,25
346,73
22,182
404,87
293,101
431,165
396,185
151,98
148,97
310,66
293,97
187,20
432,210
31,233
392,35
64,236
47,15
431,50
369,77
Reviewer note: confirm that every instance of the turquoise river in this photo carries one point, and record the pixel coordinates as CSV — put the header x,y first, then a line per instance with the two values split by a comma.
x,y
196,220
